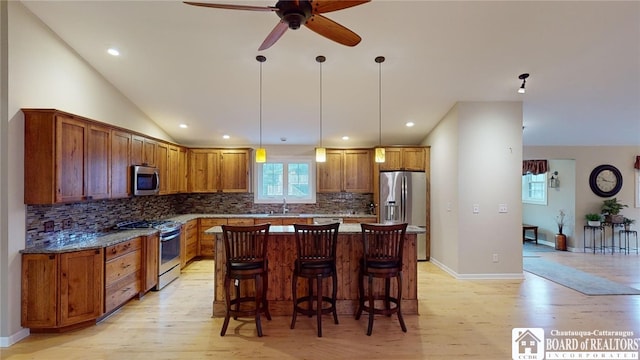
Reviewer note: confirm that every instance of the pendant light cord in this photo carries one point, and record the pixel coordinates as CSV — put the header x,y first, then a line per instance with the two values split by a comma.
x,y
380,103
260,104
320,104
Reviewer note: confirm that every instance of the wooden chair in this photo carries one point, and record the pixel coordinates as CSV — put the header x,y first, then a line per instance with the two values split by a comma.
x,y
246,259
316,251
382,258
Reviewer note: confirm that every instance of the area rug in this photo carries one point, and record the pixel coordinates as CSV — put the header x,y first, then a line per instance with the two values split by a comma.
x,y
575,279
530,249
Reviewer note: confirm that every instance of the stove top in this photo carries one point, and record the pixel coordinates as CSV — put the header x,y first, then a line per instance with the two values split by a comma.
x,y
162,225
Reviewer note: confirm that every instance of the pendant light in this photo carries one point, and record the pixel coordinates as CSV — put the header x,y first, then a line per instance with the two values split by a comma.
x,y
523,77
261,153
379,150
321,153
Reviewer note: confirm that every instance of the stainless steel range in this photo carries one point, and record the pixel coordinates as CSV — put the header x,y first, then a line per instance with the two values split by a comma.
x,y
169,250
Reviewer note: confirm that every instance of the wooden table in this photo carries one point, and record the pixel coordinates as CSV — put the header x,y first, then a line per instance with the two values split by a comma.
x,y
526,227
281,254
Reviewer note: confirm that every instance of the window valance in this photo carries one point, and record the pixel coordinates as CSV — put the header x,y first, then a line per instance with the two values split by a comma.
x,y
534,167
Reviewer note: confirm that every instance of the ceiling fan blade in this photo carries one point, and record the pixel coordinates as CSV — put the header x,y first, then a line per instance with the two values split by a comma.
x,y
324,6
274,35
233,7
332,30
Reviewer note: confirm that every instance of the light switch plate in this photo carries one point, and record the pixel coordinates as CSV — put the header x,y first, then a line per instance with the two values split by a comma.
x,y
476,208
502,208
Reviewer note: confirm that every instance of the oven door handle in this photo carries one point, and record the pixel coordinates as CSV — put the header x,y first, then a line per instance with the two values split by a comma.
x,y
170,237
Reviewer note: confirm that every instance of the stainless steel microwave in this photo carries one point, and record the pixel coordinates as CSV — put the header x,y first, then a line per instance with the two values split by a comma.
x,y
146,180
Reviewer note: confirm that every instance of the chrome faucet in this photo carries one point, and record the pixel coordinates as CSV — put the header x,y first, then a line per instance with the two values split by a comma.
x,y
284,206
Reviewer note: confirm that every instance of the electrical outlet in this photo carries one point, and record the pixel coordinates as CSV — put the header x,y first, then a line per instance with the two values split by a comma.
x,y
495,258
66,224
502,208
476,208
48,226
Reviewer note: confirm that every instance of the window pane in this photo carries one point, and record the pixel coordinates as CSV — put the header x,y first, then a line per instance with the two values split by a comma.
x,y
272,179
298,180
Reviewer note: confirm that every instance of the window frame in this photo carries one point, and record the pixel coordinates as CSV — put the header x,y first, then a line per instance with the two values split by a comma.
x,y
258,197
526,181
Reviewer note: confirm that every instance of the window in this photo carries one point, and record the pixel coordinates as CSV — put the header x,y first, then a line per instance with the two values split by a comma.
x,y
287,178
534,189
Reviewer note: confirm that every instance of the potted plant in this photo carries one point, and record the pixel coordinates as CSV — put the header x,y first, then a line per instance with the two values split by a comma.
x,y
627,223
561,239
593,219
611,208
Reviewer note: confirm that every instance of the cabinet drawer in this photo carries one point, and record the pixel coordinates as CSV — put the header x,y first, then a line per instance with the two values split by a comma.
x,y
209,222
122,266
192,251
121,291
191,225
240,221
122,248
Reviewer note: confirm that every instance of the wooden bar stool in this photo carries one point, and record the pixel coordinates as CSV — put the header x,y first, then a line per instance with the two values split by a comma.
x,y
246,259
382,258
316,246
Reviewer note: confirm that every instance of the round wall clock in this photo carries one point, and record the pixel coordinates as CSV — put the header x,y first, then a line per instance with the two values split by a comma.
x,y
605,180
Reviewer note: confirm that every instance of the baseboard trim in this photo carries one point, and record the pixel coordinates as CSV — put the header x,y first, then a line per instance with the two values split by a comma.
x,y
7,341
497,276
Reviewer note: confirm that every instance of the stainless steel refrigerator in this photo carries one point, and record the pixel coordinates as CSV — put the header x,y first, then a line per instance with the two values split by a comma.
x,y
403,198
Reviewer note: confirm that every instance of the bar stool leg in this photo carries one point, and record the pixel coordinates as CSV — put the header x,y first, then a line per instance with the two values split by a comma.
x,y
400,318
371,308
294,291
319,303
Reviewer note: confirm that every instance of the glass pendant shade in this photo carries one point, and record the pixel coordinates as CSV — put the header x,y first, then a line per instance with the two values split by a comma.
x,y
261,155
379,155
321,154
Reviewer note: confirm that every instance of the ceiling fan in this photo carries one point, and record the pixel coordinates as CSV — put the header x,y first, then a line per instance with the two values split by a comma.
x,y
294,13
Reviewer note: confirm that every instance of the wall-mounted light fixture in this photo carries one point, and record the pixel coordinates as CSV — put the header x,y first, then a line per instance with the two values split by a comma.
x,y
523,77
321,153
261,153
554,182
379,150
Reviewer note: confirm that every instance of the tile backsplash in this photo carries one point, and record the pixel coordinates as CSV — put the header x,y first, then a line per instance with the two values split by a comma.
x,y
101,216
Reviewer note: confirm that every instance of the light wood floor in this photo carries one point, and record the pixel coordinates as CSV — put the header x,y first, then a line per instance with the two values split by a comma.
x,y
459,319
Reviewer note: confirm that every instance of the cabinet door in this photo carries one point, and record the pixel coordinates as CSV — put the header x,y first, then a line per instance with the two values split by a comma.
x,y
413,159
151,259
392,159
203,165
98,163
357,171
182,170
207,241
329,173
162,163
143,151
173,169
39,288
234,170
81,286
71,137
120,160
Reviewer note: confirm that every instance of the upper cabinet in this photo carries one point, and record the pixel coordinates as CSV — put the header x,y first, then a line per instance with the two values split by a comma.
x,y
218,170
346,170
120,161
143,151
404,158
55,155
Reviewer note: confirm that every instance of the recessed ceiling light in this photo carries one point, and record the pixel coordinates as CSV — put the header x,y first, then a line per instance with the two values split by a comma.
x,y
183,126
113,52
225,136
345,138
410,124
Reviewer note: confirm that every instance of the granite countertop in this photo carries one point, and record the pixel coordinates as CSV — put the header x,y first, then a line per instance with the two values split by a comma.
x,y
185,218
343,229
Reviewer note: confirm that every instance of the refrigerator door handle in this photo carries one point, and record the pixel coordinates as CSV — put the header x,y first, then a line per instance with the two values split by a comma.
x,y
403,200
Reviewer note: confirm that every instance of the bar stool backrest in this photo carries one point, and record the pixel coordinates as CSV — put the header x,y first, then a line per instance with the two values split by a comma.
x,y
316,243
383,243
246,244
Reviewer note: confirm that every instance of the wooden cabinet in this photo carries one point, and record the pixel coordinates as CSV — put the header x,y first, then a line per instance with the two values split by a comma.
x,y
151,261
207,241
189,245
219,170
120,164
122,273
143,151
404,158
62,291
182,170
274,220
98,177
360,220
162,163
347,170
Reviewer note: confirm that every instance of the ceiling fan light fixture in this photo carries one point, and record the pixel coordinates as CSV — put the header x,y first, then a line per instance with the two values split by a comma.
x,y
523,77
379,153
321,152
261,153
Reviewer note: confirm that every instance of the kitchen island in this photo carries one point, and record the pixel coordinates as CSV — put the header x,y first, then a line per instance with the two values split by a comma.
x,y
281,254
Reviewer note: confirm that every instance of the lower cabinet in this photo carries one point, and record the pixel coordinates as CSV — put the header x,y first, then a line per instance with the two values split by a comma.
x,y
188,242
151,262
62,291
207,241
360,220
122,273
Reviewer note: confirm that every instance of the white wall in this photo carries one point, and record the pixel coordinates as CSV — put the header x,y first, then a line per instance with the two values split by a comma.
x,y
43,72
586,158
476,158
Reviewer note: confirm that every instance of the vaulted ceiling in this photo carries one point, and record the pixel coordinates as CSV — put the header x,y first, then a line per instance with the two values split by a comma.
x,y
197,66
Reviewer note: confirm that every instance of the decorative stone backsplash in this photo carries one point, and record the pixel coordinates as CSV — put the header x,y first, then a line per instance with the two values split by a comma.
x,y
101,216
